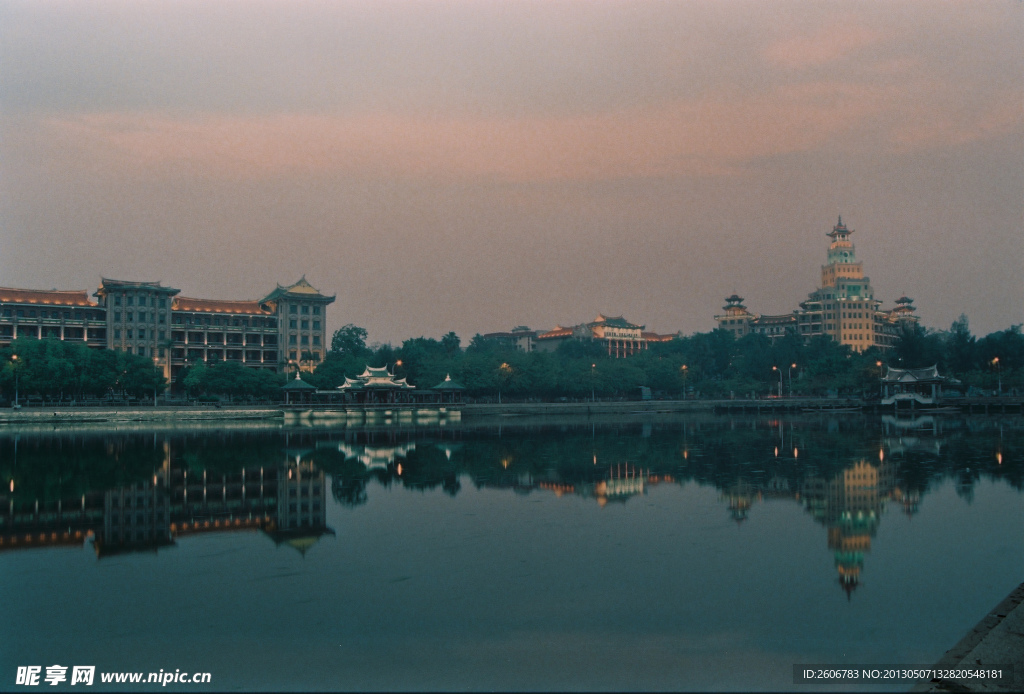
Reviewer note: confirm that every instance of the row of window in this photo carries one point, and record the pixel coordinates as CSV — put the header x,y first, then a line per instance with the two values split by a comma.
x,y
304,341
179,319
305,310
294,324
132,334
130,316
53,314
143,300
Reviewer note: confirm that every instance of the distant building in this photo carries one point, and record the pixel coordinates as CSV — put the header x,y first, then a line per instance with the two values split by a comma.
x,y
519,337
843,307
288,326
621,337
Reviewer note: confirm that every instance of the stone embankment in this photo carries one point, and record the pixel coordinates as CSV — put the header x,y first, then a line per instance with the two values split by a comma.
x,y
997,640
183,415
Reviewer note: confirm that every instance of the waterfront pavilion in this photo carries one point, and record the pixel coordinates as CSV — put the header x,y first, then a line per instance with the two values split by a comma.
x,y
377,386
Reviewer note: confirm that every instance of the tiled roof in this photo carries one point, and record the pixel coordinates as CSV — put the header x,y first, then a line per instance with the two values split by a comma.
x,y
52,297
184,303
107,284
655,337
559,331
302,288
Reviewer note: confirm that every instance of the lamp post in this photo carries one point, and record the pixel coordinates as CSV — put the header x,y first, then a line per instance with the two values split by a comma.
x,y
593,397
502,375
999,375
775,368
14,365
791,367
684,369
881,387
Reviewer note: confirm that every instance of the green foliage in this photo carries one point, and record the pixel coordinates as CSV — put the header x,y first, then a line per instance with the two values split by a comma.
x,y
349,340
65,369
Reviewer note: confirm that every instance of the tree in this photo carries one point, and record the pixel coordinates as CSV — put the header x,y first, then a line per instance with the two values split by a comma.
x,y
349,340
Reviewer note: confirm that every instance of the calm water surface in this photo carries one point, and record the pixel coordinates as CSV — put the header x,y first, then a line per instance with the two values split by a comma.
x,y
705,553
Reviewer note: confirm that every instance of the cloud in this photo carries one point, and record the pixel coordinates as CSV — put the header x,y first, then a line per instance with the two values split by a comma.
x,y
825,45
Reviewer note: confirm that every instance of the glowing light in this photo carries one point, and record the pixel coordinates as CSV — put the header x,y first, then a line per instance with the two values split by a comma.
x,y
12,484
999,460
399,469
776,451
796,453
881,455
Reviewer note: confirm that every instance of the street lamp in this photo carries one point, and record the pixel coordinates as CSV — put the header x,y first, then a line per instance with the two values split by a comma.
x,y
999,375
503,371
775,368
14,365
791,367
593,398
684,369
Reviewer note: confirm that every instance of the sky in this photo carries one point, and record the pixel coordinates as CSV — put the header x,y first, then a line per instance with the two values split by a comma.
x,y
474,165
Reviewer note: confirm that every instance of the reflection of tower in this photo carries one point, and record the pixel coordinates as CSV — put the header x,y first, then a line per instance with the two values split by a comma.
x,y
740,497
301,505
850,505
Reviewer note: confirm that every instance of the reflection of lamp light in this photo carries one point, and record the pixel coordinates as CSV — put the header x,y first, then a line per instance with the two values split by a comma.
x,y
881,455
999,460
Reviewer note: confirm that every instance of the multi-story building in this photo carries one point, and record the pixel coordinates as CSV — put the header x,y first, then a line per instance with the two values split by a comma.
x,y
621,337
519,337
844,307
288,326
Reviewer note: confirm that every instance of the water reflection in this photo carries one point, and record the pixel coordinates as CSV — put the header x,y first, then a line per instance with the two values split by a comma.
x,y
147,492
186,492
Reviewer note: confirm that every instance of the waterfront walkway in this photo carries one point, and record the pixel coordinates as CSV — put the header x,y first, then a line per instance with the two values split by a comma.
x,y
998,639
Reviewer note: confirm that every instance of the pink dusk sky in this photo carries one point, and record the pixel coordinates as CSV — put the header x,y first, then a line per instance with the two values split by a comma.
x,y
476,165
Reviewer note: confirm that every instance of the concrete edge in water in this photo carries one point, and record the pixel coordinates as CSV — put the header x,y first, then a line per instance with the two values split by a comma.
x,y
998,639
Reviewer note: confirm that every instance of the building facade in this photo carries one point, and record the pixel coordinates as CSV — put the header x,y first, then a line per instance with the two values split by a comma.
x,y
286,327
620,337
844,307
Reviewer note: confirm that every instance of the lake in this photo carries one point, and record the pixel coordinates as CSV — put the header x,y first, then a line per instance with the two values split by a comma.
x,y
679,553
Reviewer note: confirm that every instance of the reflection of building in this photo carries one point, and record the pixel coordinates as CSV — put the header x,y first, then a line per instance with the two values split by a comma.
x,y
850,506
301,506
843,307
288,502
151,320
376,457
621,337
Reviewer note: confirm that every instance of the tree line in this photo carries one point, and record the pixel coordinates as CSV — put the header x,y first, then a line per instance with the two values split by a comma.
x,y
712,364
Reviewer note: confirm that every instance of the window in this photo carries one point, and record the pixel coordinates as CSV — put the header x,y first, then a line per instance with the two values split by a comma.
x,y
163,318
31,314
316,310
293,324
316,340
42,314
316,325
142,334
293,309
163,303
131,300
305,309
129,333
305,325
142,350
117,300
130,316
291,354
163,335
292,340
305,339
142,316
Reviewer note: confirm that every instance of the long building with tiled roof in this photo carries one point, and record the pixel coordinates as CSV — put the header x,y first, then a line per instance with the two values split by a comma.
x,y
621,337
288,326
